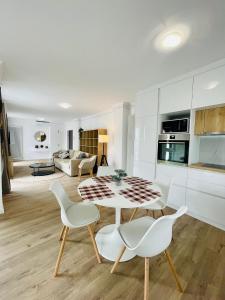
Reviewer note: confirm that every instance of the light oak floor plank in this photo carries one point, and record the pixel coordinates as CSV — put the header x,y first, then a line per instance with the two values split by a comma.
x,y
29,246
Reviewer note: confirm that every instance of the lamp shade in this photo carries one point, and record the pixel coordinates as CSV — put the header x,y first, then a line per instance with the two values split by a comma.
x,y
103,138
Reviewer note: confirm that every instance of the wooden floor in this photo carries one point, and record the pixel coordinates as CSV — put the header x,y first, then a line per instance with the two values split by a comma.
x,y
29,245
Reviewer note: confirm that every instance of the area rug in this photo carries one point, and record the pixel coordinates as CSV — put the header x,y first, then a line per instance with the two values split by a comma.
x,y
22,173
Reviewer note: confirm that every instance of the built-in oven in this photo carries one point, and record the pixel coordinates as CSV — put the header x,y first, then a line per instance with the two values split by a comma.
x,y
173,148
175,126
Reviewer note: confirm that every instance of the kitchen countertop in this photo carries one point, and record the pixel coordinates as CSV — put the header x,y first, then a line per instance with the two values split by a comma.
x,y
208,167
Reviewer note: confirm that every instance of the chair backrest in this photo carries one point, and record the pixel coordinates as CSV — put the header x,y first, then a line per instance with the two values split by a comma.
x,y
159,235
92,161
105,171
88,163
166,189
62,198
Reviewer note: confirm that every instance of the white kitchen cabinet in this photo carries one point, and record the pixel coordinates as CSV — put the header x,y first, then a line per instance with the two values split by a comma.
x,y
145,139
206,196
146,103
144,170
176,96
209,88
178,175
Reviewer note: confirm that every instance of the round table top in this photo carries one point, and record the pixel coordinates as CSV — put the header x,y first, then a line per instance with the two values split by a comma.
x,y
42,165
119,200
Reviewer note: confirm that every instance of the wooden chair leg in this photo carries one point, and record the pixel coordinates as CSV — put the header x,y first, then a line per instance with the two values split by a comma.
x,y
118,259
100,213
62,232
61,251
123,219
79,174
91,172
173,271
94,243
146,286
133,214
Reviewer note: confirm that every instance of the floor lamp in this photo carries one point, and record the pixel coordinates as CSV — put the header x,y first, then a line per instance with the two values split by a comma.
x,y
103,139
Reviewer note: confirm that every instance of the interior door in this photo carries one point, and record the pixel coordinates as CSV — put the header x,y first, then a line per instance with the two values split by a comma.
x,y
70,139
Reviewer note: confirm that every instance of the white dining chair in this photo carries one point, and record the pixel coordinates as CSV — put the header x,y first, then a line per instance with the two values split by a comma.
x,y
106,171
148,237
87,165
73,215
161,203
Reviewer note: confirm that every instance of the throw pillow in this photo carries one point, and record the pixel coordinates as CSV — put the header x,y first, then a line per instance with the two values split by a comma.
x,y
64,155
81,155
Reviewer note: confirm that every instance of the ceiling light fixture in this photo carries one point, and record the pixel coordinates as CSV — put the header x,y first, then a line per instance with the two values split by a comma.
x,y
65,105
212,85
172,38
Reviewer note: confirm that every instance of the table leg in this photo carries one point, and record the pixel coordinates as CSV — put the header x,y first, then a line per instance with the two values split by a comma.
x,y
109,241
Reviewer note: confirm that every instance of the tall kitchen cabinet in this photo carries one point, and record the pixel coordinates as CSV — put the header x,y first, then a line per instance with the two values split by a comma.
x,y
176,96
145,141
209,88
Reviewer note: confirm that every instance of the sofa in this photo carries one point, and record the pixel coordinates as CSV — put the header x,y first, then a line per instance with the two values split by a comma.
x,y
70,164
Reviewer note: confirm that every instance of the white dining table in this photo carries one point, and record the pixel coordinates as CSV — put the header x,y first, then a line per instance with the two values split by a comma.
x,y
107,238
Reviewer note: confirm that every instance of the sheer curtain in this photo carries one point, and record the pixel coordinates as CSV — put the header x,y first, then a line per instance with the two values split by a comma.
x,y
16,142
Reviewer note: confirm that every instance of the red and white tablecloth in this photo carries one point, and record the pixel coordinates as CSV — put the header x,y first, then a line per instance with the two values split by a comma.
x,y
136,181
102,179
140,194
95,192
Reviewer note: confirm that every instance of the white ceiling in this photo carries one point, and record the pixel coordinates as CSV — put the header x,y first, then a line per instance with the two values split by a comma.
x,y
95,53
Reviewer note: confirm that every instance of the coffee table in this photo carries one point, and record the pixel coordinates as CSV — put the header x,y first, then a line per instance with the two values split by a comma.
x,y
42,169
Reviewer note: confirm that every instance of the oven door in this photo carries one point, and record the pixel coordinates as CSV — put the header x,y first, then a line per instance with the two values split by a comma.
x,y
171,151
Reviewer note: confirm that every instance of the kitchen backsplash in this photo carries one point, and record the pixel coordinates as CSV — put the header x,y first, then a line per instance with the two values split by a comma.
x,y
212,149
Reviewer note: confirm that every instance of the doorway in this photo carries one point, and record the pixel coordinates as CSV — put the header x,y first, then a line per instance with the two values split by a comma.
x,y
70,139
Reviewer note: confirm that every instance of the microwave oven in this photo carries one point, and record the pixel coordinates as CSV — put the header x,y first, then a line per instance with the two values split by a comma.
x,y
176,126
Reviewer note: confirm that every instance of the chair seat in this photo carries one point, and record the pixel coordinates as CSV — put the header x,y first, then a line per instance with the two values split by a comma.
x,y
80,215
158,205
133,231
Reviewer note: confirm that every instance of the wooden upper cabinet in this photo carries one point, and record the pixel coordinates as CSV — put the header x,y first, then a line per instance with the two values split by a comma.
x,y
210,121
215,120
199,122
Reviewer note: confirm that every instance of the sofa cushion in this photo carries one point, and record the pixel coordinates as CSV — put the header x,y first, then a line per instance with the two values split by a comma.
x,y
64,155
71,153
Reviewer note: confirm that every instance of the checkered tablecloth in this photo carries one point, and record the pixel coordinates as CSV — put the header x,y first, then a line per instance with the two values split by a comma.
x,y
136,181
140,194
102,179
95,192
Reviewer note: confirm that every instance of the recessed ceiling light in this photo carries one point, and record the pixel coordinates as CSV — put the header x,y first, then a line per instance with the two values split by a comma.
x,y
65,105
172,38
212,85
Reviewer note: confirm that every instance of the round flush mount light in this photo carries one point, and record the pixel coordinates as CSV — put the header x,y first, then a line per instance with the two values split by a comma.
x,y
65,105
212,85
172,38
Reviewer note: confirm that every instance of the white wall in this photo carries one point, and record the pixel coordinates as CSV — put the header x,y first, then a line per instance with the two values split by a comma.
x,y
72,125
53,131
1,71
115,121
